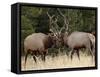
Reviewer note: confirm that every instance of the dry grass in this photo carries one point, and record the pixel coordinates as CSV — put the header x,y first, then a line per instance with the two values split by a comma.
x,y
60,61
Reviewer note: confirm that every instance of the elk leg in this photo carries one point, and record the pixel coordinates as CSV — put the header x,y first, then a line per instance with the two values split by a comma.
x,y
94,49
43,56
71,53
77,52
34,54
34,57
26,57
91,54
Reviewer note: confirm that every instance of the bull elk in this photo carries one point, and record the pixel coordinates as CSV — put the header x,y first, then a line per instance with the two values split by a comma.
x,y
76,40
37,44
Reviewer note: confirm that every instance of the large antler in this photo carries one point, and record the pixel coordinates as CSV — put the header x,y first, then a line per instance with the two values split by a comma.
x,y
56,25
66,22
51,23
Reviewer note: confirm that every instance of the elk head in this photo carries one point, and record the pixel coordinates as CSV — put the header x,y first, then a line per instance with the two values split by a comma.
x,y
64,27
56,30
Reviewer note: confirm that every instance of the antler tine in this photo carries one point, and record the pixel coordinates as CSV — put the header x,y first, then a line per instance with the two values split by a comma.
x,y
55,23
50,16
61,29
66,23
56,19
60,12
52,29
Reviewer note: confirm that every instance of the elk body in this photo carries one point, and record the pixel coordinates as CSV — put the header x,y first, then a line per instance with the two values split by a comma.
x,y
76,41
37,44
